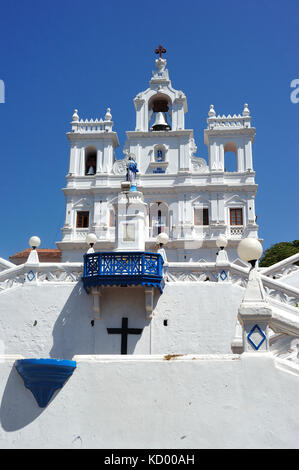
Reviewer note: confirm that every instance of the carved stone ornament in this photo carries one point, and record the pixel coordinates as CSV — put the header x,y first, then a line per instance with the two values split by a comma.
x,y
160,64
199,165
120,167
192,147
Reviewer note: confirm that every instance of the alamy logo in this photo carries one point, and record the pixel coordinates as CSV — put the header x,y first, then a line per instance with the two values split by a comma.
x,y
2,92
295,93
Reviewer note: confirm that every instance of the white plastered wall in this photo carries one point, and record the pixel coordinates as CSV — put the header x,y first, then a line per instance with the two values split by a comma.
x,y
55,320
135,402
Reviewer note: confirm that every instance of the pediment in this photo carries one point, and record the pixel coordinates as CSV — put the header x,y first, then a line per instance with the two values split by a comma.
x,y
83,202
235,200
200,200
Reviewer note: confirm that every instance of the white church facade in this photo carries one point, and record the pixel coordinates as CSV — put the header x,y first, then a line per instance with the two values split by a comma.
x,y
192,200
157,329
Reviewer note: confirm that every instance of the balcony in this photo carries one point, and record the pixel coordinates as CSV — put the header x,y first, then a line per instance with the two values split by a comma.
x,y
123,269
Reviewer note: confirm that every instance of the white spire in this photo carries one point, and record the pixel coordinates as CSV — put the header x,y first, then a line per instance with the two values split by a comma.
x,y
212,112
75,117
108,115
246,111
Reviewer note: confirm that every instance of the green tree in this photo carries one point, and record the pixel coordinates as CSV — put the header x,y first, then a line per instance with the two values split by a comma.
x,y
278,252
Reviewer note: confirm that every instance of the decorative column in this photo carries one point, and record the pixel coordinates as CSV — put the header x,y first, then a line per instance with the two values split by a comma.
x,y
73,158
139,103
100,158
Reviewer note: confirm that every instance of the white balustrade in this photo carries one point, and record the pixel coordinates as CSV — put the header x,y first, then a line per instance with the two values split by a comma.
x,y
282,268
81,234
92,126
42,272
236,231
235,121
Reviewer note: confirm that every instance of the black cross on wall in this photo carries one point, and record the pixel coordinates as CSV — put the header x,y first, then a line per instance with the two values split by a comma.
x,y
124,331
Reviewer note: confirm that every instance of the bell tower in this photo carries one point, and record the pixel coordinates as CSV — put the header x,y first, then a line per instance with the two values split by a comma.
x,y
160,125
230,134
160,102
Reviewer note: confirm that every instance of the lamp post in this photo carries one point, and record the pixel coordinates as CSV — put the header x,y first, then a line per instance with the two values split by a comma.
x,y
221,257
91,239
32,263
254,312
162,239
34,242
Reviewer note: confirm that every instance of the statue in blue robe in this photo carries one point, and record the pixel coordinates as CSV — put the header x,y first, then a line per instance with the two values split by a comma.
x,y
132,170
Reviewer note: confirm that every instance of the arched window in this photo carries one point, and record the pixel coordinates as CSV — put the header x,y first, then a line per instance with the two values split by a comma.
x,y
230,157
159,112
90,160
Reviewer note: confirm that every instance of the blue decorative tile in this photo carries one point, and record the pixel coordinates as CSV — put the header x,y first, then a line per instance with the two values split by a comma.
x,y
259,338
30,276
223,275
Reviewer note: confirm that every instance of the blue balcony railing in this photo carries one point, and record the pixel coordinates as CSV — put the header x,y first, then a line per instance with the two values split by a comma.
x,y
123,269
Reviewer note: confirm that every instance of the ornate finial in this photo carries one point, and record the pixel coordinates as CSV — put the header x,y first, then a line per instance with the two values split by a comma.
x,y
212,112
75,115
160,50
246,111
108,115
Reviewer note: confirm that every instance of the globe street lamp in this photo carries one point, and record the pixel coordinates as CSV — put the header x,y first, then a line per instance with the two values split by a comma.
x,y
250,250
221,242
162,239
91,239
34,242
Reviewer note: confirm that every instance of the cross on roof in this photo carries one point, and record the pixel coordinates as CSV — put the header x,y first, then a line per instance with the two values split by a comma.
x,y
124,331
160,50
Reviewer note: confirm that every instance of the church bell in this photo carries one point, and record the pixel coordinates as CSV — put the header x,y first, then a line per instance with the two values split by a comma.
x,y
160,123
90,171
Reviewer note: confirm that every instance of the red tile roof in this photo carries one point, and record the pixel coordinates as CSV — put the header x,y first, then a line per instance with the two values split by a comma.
x,y
45,255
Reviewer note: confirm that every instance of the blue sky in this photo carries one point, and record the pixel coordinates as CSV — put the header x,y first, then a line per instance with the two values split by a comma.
x,y
59,55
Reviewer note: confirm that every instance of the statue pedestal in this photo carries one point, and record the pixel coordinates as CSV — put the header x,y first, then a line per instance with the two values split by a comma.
x,y
125,186
130,228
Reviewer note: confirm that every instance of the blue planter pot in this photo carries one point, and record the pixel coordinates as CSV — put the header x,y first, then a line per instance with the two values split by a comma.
x,y
44,376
